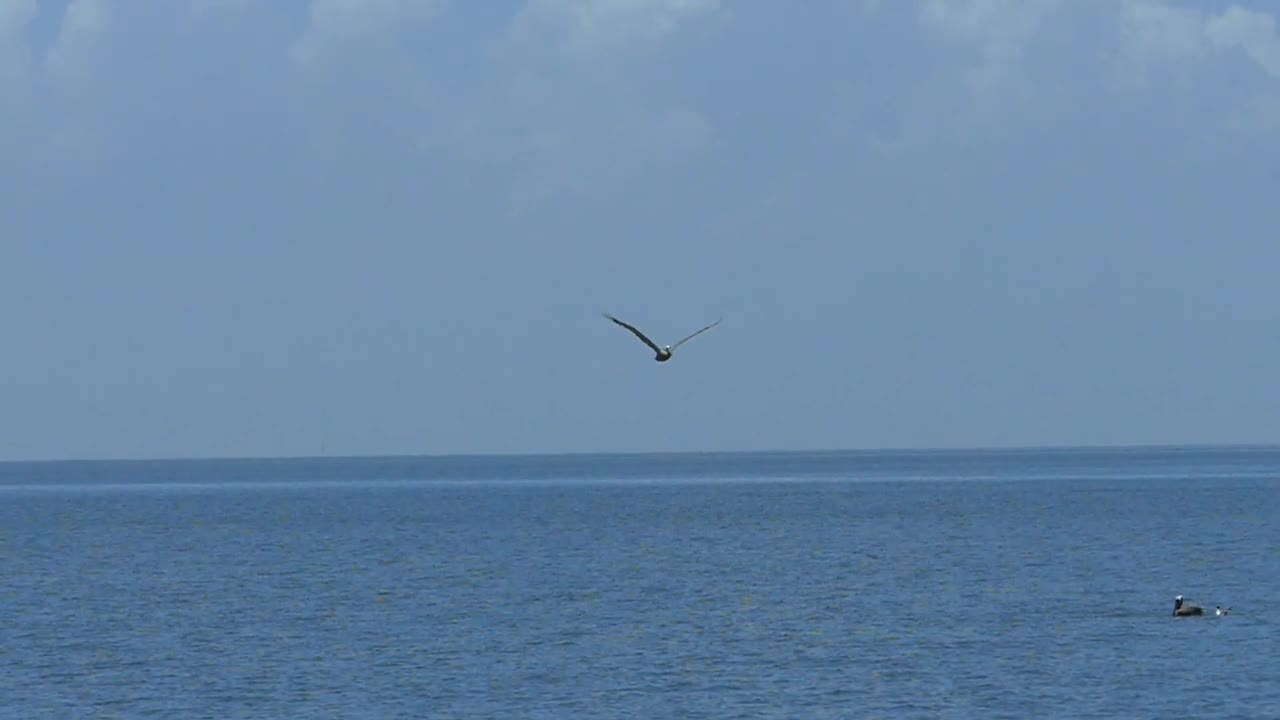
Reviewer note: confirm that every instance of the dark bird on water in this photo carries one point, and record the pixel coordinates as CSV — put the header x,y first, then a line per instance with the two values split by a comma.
x,y
1181,610
663,353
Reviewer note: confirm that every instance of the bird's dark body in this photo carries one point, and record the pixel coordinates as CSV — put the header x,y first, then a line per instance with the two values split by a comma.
x,y
1185,610
662,357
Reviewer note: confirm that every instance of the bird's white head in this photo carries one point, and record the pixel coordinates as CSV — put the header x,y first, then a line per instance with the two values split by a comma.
x,y
667,348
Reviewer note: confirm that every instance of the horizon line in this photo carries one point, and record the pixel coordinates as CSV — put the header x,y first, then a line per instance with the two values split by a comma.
x,y
642,453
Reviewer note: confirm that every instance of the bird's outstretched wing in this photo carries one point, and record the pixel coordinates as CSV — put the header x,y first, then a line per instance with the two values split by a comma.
x,y
635,332
673,347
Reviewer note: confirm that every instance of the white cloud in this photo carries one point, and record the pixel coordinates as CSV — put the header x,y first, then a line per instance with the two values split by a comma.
x,y
1250,31
1164,31
1160,31
78,127
595,25
1154,33
1001,30
14,15
82,22
333,22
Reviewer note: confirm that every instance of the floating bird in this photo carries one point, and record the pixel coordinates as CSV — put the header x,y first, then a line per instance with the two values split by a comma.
x,y
1220,611
662,354
1180,610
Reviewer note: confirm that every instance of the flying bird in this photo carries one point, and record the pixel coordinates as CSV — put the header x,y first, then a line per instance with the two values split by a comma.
x,y
663,353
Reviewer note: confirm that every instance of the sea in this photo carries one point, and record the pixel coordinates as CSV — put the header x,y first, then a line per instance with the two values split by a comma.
x,y
1030,583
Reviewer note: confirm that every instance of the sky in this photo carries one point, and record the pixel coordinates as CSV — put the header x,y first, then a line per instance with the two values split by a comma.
x,y
354,227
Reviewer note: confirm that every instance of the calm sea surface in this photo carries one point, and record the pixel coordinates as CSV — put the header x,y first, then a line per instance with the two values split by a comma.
x,y
984,584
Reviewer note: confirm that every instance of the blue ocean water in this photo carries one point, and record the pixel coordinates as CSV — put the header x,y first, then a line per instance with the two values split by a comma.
x,y
975,584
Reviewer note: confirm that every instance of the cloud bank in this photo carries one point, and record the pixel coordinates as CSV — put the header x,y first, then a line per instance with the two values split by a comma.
x,y
238,227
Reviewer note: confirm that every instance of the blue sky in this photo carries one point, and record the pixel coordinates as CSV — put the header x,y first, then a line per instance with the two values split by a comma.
x,y
375,226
